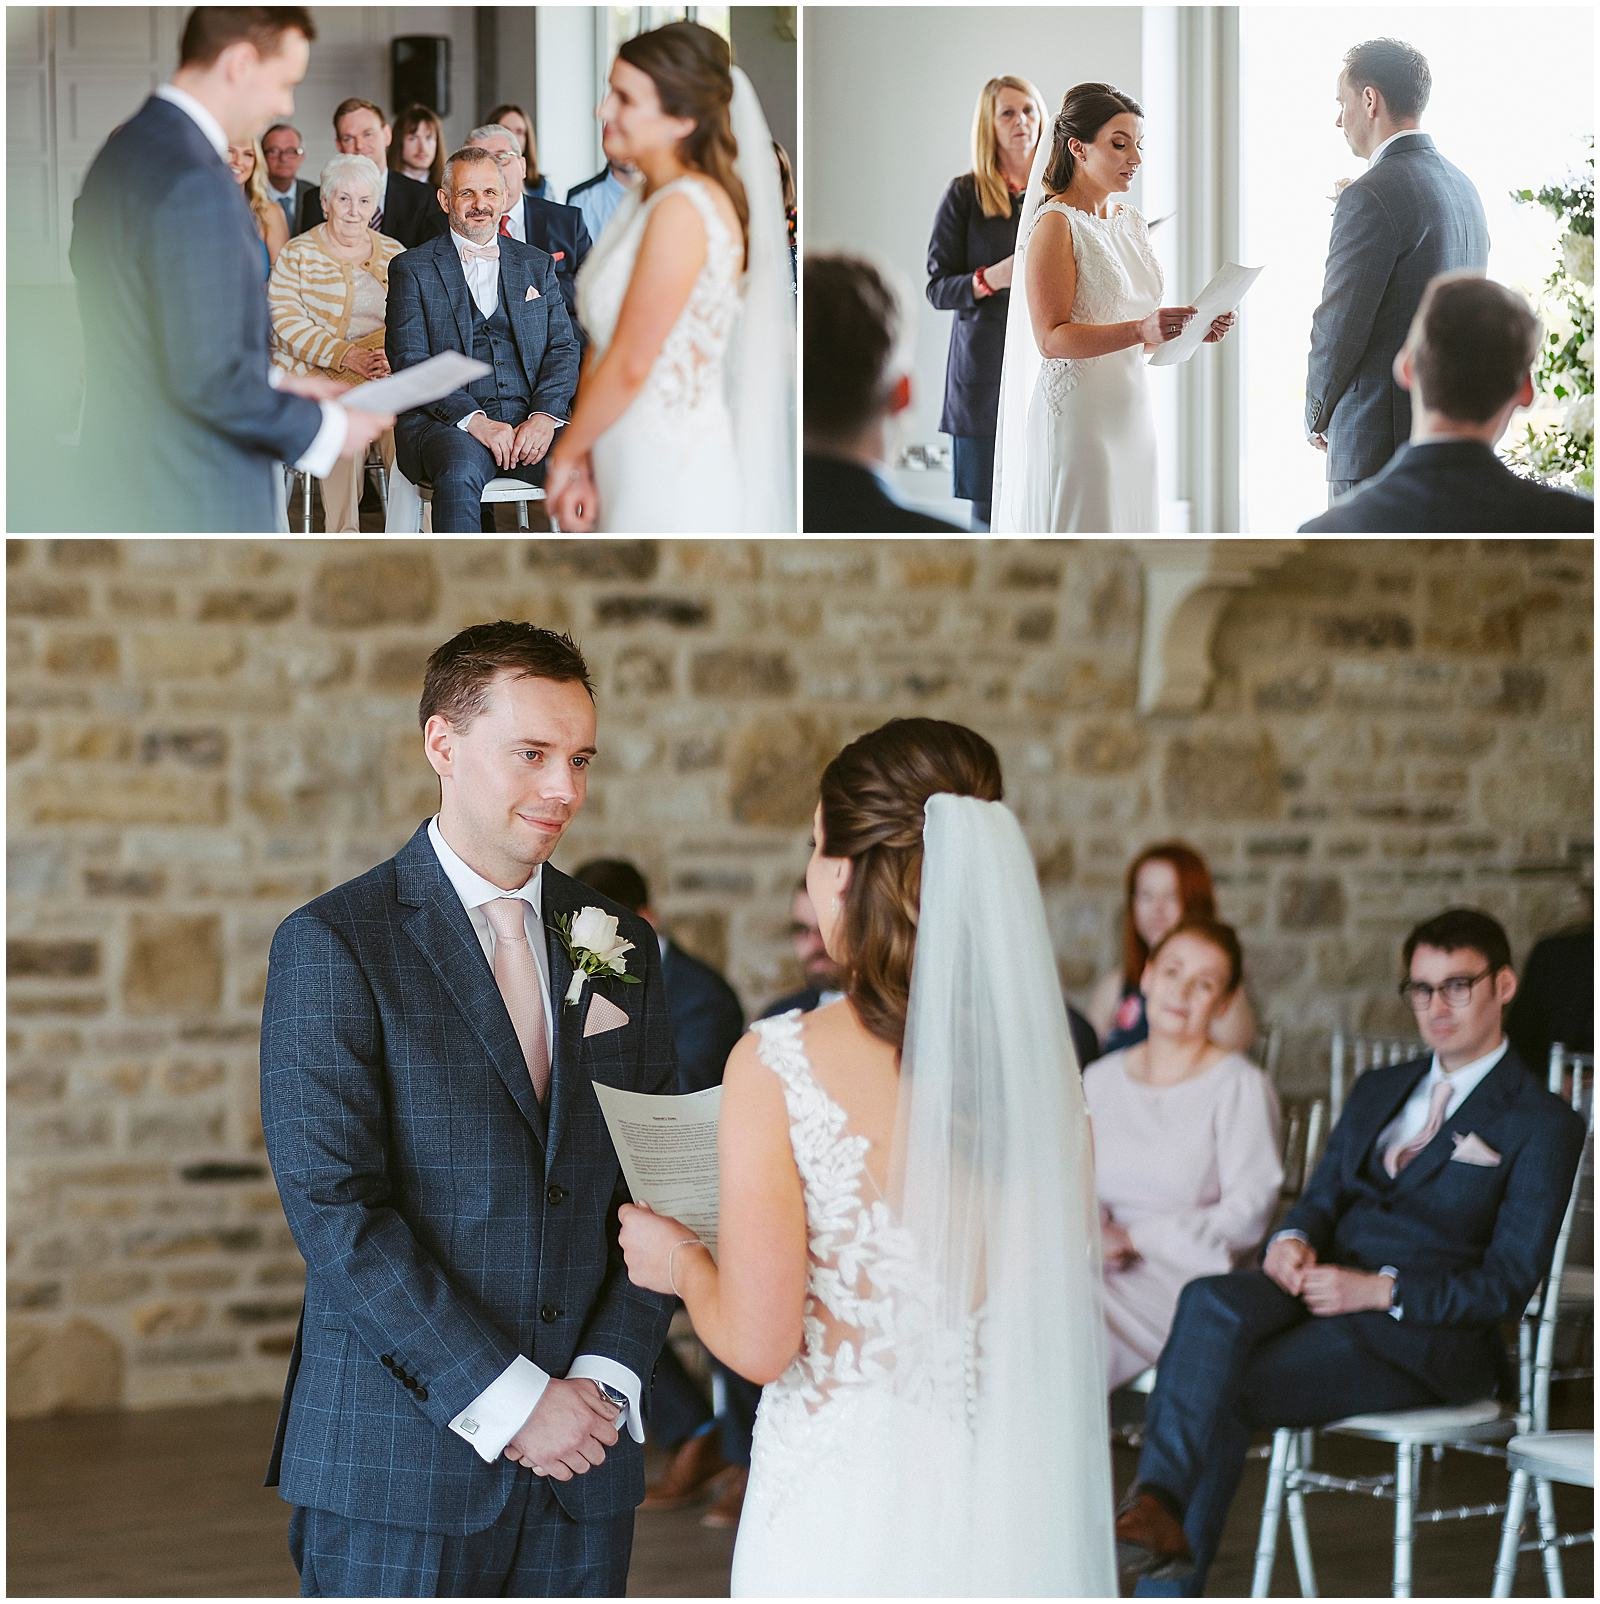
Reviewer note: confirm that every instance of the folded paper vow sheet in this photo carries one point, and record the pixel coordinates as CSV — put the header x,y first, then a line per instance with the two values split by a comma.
x,y
1222,294
668,1149
415,386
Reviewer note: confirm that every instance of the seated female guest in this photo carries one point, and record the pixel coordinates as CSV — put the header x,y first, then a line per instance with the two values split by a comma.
x,y
249,169
417,149
1165,883
518,121
1187,1162
969,272
328,295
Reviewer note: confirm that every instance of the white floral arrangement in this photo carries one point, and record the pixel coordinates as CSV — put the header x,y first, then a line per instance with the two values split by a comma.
x,y
595,949
1557,443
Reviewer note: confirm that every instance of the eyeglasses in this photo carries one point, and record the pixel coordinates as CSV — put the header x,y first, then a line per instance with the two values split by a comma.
x,y
1455,991
284,150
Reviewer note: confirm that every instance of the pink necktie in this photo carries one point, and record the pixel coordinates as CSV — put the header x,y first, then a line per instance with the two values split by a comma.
x,y
481,253
1398,1156
517,976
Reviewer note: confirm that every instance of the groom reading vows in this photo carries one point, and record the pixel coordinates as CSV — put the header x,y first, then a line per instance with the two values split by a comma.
x,y
1409,217
491,297
464,1401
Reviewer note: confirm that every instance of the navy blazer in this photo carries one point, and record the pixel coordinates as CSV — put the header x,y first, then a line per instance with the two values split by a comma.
x,y
1453,487
707,1019
445,1228
411,210
430,310
964,240
1471,1242
844,498
558,231
1409,217
181,430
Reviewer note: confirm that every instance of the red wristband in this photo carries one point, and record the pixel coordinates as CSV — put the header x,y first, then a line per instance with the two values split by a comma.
x,y
982,282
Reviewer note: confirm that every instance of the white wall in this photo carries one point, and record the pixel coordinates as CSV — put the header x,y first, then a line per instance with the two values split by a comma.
x,y
568,77
764,44
889,98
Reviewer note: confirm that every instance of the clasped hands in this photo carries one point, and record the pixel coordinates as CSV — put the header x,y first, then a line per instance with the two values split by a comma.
x,y
1168,322
511,447
1324,1288
568,1432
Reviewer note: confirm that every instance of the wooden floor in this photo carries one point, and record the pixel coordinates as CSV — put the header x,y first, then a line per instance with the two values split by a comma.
x,y
170,1502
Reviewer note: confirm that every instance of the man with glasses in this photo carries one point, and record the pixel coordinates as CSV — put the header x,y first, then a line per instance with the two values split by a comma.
x,y
285,150
1429,1221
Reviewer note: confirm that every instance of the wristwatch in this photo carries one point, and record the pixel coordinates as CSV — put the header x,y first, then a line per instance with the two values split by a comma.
x,y
620,1399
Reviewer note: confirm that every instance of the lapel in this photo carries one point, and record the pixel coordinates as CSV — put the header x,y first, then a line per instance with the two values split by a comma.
x,y
1404,1085
558,896
440,930
514,281
460,298
1486,1099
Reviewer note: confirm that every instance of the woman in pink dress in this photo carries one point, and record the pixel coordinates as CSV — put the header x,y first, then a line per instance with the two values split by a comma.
x,y
1187,1160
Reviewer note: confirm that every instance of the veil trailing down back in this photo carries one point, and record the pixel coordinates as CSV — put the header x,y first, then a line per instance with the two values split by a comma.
x,y
1003,1483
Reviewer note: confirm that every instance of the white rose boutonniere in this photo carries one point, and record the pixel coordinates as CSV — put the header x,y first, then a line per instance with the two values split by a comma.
x,y
594,947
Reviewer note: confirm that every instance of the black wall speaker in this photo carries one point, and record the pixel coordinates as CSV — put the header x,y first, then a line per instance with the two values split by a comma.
x,y
419,68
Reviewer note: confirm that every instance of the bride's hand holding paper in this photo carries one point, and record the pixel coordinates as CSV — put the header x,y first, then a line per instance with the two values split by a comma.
x,y
1163,324
650,1244
1215,313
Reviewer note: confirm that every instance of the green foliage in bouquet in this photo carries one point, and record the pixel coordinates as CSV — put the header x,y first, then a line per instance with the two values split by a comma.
x,y
1557,444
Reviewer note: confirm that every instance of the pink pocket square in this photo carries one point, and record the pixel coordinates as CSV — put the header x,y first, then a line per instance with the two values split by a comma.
x,y
1473,1150
560,256
603,1015
532,295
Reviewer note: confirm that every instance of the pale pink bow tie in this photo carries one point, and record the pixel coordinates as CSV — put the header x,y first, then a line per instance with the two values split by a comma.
x,y
482,253
516,974
1401,1155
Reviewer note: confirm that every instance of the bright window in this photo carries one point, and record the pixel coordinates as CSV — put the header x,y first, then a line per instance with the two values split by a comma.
x,y
1513,94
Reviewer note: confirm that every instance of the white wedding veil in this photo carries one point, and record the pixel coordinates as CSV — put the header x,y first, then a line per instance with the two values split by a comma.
x,y
1019,372
998,1477
761,365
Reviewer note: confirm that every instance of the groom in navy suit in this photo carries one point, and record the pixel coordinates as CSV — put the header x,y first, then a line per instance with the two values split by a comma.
x,y
465,1397
1428,1223
496,299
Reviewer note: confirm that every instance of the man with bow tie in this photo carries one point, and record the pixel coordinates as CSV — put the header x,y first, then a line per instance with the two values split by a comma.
x,y
1428,1223
496,299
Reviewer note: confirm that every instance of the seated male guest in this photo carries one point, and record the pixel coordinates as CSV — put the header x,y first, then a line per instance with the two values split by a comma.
x,y
856,380
1467,362
285,150
1429,1221
599,197
407,211
328,293
556,229
496,300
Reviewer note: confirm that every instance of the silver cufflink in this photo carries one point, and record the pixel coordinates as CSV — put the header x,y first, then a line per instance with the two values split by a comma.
x,y
470,1426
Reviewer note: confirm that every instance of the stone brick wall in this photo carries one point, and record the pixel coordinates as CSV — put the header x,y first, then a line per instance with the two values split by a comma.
x,y
205,734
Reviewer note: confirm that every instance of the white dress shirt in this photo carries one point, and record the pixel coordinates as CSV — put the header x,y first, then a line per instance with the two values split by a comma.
x,y
498,1413
320,456
1399,134
1413,1116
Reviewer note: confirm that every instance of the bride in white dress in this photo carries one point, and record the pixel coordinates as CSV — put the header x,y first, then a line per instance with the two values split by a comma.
x,y
683,422
1076,443
908,1246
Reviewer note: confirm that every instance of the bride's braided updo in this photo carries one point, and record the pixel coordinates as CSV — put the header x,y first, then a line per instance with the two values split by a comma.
x,y
1085,110
873,794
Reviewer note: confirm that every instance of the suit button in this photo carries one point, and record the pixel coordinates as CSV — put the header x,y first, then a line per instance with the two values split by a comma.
x,y
422,1394
555,1194
549,1314
386,1360
410,1383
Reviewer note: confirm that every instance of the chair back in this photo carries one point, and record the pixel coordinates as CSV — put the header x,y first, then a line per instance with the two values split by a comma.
x,y
1353,1055
1572,1079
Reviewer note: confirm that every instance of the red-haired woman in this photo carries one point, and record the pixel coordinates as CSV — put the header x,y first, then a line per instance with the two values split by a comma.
x,y
1166,883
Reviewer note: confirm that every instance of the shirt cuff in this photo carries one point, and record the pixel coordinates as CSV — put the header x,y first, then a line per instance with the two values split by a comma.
x,y
1393,1310
461,423
596,1367
560,423
501,1410
327,443
1291,1234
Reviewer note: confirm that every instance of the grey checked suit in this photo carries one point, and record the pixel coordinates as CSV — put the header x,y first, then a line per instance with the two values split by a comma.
x,y
1409,217
445,1228
181,430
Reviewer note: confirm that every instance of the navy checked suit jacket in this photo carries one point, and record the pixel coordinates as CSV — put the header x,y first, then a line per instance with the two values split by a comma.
x,y
1409,217
445,1230
430,310
181,429
558,231
1471,1242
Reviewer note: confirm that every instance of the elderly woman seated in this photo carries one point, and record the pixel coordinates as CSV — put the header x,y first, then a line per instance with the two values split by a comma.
x,y
328,293
1187,1162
